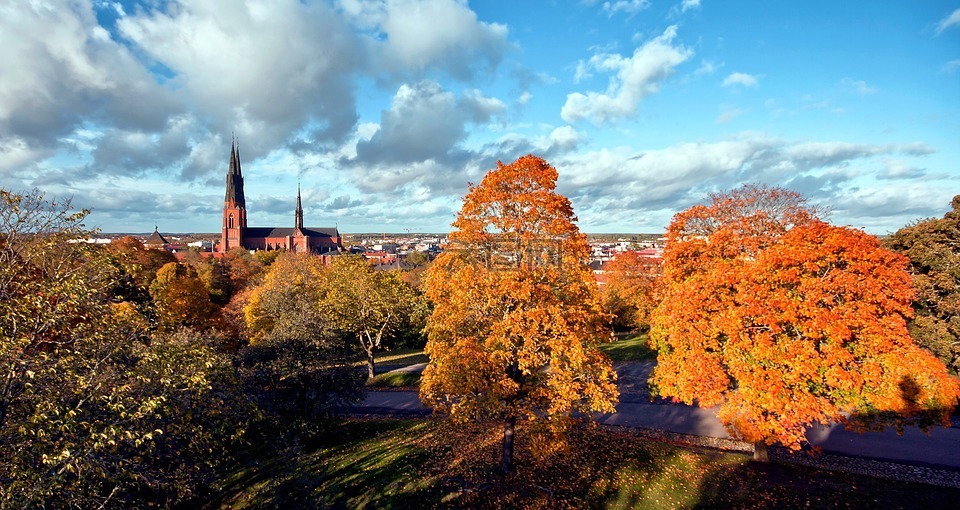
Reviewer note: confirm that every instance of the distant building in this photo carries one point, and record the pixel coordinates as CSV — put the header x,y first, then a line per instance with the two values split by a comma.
x,y
156,241
236,233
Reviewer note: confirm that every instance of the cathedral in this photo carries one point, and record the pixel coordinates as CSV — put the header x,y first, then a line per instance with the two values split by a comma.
x,y
236,233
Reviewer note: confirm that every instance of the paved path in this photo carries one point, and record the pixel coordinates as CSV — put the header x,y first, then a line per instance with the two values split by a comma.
x,y
940,448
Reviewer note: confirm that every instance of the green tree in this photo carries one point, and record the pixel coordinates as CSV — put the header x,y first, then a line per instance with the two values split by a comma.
x,y
285,304
300,377
295,364
517,316
370,306
782,320
933,247
94,411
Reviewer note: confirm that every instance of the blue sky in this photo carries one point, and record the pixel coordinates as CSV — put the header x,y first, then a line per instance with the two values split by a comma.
x,y
385,110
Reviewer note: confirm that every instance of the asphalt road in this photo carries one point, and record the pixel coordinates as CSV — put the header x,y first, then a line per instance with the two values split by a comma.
x,y
940,448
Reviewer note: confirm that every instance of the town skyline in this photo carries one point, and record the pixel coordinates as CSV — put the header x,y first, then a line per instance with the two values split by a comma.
x,y
384,111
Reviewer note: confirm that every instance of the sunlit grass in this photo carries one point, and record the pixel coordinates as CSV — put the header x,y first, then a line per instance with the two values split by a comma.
x,y
395,380
357,464
629,347
402,357
396,357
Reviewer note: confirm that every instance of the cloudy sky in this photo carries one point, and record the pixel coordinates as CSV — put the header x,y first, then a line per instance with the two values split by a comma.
x,y
384,110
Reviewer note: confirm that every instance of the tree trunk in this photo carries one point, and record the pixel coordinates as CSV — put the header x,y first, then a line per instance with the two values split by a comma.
x,y
760,452
506,461
371,369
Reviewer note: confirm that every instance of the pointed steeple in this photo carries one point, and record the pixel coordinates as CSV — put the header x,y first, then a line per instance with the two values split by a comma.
x,y
235,177
298,215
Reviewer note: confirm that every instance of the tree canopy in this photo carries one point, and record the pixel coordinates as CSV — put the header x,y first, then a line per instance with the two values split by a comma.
x,y
933,247
285,304
517,316
783,320
630,290
372,307
96,410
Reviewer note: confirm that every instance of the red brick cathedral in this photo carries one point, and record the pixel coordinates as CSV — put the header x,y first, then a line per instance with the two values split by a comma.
x,y
236,233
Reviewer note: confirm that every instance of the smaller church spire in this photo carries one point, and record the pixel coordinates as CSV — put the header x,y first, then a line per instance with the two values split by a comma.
x,y
298,214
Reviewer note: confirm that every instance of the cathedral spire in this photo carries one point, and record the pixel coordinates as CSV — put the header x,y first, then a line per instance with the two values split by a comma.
x,y
298,215
235,177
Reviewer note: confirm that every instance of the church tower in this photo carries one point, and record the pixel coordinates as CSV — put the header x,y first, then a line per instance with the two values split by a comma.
x,y
298,214
234,205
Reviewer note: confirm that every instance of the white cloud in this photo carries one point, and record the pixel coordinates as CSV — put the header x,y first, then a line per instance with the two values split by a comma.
x,y
582,72
729,112
619,185
689,4
630,7
953,19
565,138
858,86
422,35
636,78
419,139
741,79
524,98
60,68
706,67
262,69
951,66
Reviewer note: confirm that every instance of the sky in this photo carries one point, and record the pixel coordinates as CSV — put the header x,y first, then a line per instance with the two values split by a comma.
x,y
384,110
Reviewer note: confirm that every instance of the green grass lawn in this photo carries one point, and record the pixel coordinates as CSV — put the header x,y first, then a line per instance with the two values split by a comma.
x,y
432,464
395,380
629,347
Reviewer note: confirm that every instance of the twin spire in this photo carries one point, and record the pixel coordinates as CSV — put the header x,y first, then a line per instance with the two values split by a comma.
x,y
235,184
235,177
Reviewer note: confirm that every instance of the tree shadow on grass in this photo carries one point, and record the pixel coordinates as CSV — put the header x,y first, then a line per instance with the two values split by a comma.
x,y
356,464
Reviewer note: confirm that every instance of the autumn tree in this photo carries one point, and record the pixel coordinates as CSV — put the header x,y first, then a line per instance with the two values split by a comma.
x,y
212,273
141,262
285,304
296,365
782,321
517,316
242,268
629,292
369,306
181,299
933,247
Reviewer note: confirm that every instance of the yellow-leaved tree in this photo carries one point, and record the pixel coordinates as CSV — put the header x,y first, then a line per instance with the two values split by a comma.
x,y
517,316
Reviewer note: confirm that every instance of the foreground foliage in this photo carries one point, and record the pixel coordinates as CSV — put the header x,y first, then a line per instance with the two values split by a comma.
x,y
434,464
933,247
517,316
96,410
782,320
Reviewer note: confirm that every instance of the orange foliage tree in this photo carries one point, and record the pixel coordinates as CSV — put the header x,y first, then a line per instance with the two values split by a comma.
x,y
181,300
517,315
783,321
629,292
